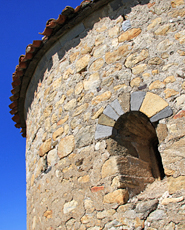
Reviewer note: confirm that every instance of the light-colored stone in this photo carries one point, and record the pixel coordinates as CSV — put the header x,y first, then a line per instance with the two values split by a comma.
x,y
166,201
154,23
129,34
92,82
82,63
105,213
60,102
139,69
86,49
78,88
114,31
111,57
176,184
101,29
69,92
110,167
135,82
63,120
155,61
88,204
103,97
67,73
70,105
73,56
176,3
117,87
80,109
170,92
99,51
164,45
48,214
97,113
66,146
119,196
152,104
57,133
48,111
135,58
169,79
183,85
52,157
156,85
70,206
180,36
96,65
84,179
162,30
45,147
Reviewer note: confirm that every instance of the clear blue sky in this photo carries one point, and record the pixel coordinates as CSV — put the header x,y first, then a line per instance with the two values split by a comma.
x,y
20,23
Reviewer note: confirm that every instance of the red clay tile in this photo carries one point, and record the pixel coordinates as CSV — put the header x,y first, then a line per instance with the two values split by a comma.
x,y
30,48
16,83
61,19
37,43
13,111
16,118
51,23
18,125
13,104
14,97
47,31
97,188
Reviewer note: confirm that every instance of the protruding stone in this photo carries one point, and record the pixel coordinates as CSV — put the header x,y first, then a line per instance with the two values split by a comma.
x,y
70,206
70,105
103,131
110,112
152,104
78,88
96,65
57,133
136,100
114,31
98,113
156,85
104,120
103,97
136,58
92,82
80,109
82,62
170,92
166,112
166,201
110,167
155,61
111,57
162,30
176,3
176,184
117,107
119,196
99,51
129,34
154,23
135,82
67,73
63,120
66,146
139,69
180,36
169,79
48,214
45,147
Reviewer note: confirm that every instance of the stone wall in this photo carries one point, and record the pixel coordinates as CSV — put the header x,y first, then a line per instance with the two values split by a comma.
x,y
73,175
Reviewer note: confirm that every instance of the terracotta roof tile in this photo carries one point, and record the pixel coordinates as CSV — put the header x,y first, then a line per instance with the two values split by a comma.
x,y
52,26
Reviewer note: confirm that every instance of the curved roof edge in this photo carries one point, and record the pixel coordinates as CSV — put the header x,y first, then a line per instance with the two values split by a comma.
x,y
55,28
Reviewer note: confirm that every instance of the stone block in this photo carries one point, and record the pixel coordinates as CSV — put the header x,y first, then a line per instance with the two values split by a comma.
x,y
104,120
103,131
117,107
136,100
119,196
109,111
166,112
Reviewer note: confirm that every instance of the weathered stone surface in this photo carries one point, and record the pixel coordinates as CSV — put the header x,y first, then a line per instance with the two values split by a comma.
x,y
80,109
169,79
70,206
82,63
114,31
73,56
97,113
48,214
176,3
179,115
41,166
152,104
117,107
66,146
105,120
99,51
155,61
180,36
61,101
146,207
67,73
96,65
135,82
101,29
84,179
129,34
180,100
57,133
78,88
45,147
162,132
156,85
119,196
156,215
52,157
136,100
176,184
154,23
70,105
136,58
139,69
110,167
162,30
103,97
63,120
110,112
92,82
170,92
117,87
166,201
155,72
48,111
84,137
111,57
86,49
105,213
102,131
164,45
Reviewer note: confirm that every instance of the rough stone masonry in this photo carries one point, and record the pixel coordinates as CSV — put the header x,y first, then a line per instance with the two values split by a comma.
x,y
92,75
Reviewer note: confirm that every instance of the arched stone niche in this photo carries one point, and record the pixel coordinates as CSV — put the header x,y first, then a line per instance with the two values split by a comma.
x,y
132,139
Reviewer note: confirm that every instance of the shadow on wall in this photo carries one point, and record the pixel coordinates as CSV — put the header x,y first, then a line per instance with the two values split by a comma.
x,y
136,144
73,37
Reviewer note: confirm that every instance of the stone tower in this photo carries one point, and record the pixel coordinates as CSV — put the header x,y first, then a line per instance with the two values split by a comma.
x,y
101,102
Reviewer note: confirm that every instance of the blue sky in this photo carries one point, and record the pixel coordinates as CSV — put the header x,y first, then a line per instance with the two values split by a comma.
x,y
20,23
